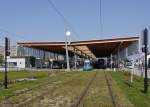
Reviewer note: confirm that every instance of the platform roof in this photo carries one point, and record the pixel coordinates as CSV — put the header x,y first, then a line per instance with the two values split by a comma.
x,y
92,48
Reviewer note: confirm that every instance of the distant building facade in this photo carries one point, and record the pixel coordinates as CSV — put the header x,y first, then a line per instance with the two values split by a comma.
x,y
13,50
39,54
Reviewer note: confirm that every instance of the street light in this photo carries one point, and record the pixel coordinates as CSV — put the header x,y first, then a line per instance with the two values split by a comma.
x,y
67,34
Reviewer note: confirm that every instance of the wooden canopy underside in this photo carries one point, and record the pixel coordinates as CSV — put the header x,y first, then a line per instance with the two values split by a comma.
x,y
92,48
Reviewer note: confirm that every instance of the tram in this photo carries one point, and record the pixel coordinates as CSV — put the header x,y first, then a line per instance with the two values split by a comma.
x,y
87,65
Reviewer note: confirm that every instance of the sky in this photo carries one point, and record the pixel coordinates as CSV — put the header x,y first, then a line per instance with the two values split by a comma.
x,y
36,20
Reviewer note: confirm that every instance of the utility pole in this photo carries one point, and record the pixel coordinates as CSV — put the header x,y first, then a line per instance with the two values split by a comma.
x,y
7,53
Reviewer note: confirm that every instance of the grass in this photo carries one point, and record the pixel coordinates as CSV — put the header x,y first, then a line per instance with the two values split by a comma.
x,y
23,74
42,78
67,93
98,94
64,89
56,81
134,91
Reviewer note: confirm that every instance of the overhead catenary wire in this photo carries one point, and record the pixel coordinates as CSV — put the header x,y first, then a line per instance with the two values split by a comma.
x,y
64,19
58,12
11,35
100,18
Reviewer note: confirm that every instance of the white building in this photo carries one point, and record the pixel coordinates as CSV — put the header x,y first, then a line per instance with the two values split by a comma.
x,y
16,62
19,62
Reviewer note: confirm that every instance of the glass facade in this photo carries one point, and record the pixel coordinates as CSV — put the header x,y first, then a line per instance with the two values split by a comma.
x,y
37,53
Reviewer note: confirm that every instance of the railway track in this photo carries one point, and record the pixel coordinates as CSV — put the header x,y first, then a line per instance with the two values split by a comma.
x,y
79,101
111,93
108,80
84,92
38,98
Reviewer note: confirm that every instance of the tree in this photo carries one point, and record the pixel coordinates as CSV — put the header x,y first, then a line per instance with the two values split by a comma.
x,y
1,59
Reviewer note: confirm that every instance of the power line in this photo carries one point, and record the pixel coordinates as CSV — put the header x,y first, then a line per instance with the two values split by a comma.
x,y
58,12
100,18
10,34
68,25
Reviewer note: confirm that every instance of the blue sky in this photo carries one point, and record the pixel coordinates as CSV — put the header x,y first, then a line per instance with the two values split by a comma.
x,y
36,20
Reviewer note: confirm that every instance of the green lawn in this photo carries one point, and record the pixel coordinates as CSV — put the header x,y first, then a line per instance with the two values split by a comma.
x,y
12,88
134,92
23,74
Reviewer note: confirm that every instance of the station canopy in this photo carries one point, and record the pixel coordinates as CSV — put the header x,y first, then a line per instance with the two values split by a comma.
x,y
91,48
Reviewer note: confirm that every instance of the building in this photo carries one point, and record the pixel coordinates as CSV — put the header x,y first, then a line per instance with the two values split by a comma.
x,y
13,50
114,50
20,62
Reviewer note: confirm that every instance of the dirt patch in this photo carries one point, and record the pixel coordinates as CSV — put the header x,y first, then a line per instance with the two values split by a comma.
x,y
59,101
52,75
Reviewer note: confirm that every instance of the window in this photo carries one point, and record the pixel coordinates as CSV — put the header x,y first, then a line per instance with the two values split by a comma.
x,y
12,64
15,63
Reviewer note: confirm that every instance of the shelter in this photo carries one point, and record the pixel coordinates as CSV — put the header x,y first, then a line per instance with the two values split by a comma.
x,y
89,48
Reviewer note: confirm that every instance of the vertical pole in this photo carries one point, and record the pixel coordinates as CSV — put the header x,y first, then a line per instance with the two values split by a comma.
x,y
57,57
111,60
118,57
132,71
126,52
6,54
67,57
44,56
131,75
75,59
39,53
145,50
29,54
145,79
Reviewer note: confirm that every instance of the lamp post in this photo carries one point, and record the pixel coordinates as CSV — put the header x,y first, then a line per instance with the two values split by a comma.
x,y
67,34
